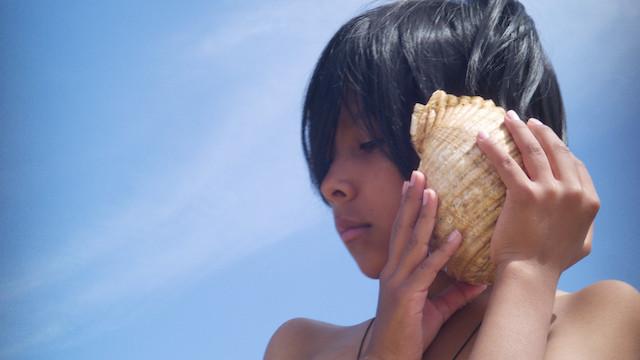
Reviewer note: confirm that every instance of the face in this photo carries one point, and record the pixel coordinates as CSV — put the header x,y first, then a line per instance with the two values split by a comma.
x,y
363,188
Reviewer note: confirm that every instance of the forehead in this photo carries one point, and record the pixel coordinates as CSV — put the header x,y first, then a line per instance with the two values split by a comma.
x,y
352,120
348,127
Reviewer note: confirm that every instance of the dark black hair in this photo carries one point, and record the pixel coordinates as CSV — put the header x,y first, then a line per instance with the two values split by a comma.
x,y
395,55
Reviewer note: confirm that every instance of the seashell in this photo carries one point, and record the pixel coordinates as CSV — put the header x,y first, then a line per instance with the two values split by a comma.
x,y
470,192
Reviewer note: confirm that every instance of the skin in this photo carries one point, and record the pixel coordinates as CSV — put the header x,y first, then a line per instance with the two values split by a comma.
x,y
421,312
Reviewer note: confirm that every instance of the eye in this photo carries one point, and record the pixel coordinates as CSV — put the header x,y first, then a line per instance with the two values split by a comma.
x,y
371,145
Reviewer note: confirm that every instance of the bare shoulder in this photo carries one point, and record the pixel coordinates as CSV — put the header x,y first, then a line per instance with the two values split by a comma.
x,y
302,338
599,321
603,299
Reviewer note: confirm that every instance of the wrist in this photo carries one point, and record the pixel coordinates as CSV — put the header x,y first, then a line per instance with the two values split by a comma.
x,y
527,271
519,311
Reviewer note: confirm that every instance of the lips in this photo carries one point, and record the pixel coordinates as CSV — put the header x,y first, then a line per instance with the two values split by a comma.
x,y
350,229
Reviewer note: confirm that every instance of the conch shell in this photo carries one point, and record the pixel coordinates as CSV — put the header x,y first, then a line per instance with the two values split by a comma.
x,y
470,192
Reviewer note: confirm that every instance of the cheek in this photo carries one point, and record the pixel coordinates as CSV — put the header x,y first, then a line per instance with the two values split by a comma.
x,y
387,193
387,210
392,202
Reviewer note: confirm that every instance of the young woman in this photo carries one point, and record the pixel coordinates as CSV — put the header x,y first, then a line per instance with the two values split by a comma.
x,y
356,140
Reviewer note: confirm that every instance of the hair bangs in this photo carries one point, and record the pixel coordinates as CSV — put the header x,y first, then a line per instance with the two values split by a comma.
x,y
348,77
381,63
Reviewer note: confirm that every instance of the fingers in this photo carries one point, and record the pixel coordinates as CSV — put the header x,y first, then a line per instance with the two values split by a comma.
x,y
406,218
426,271
544,155
533,155
508,169
418,246
411,234
456,296
561,160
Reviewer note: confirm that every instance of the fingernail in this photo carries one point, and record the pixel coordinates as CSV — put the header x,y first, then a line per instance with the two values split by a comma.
x,y
513,115
535,121
405,185
425,197
454,237
482,136
480,288
413,178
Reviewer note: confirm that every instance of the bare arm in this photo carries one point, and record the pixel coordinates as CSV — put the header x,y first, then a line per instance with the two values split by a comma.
x,y
601,321
543,228
518,315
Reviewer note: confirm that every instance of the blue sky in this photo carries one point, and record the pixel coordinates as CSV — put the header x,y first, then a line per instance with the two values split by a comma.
x,y
154,198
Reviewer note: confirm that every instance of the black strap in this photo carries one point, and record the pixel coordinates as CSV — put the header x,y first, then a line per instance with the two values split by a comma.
x,y
454,356
364,337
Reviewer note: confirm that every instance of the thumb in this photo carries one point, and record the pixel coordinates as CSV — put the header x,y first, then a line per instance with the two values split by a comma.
x,y
456,296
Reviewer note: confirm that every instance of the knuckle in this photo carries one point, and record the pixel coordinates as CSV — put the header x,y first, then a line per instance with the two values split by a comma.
x,y
550,193
586,249
428,267
423,246
506,161
561,148
593,205
405,201
413,242
410,194
424,265
534,149
574,193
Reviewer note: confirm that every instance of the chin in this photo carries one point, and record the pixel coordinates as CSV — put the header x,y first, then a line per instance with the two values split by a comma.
x,y
370,269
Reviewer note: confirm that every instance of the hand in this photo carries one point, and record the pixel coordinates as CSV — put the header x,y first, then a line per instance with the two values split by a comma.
x,y
550,205
407,321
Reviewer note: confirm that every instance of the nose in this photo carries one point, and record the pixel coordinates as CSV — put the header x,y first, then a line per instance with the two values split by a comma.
x,y
337,186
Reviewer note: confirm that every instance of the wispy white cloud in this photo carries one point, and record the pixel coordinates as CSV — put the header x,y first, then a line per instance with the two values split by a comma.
x,y
245,188
288,20
582,26
586,40
244,168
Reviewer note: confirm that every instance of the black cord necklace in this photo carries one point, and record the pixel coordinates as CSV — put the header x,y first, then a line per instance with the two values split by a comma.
x,y
454,356
364,337
467,340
